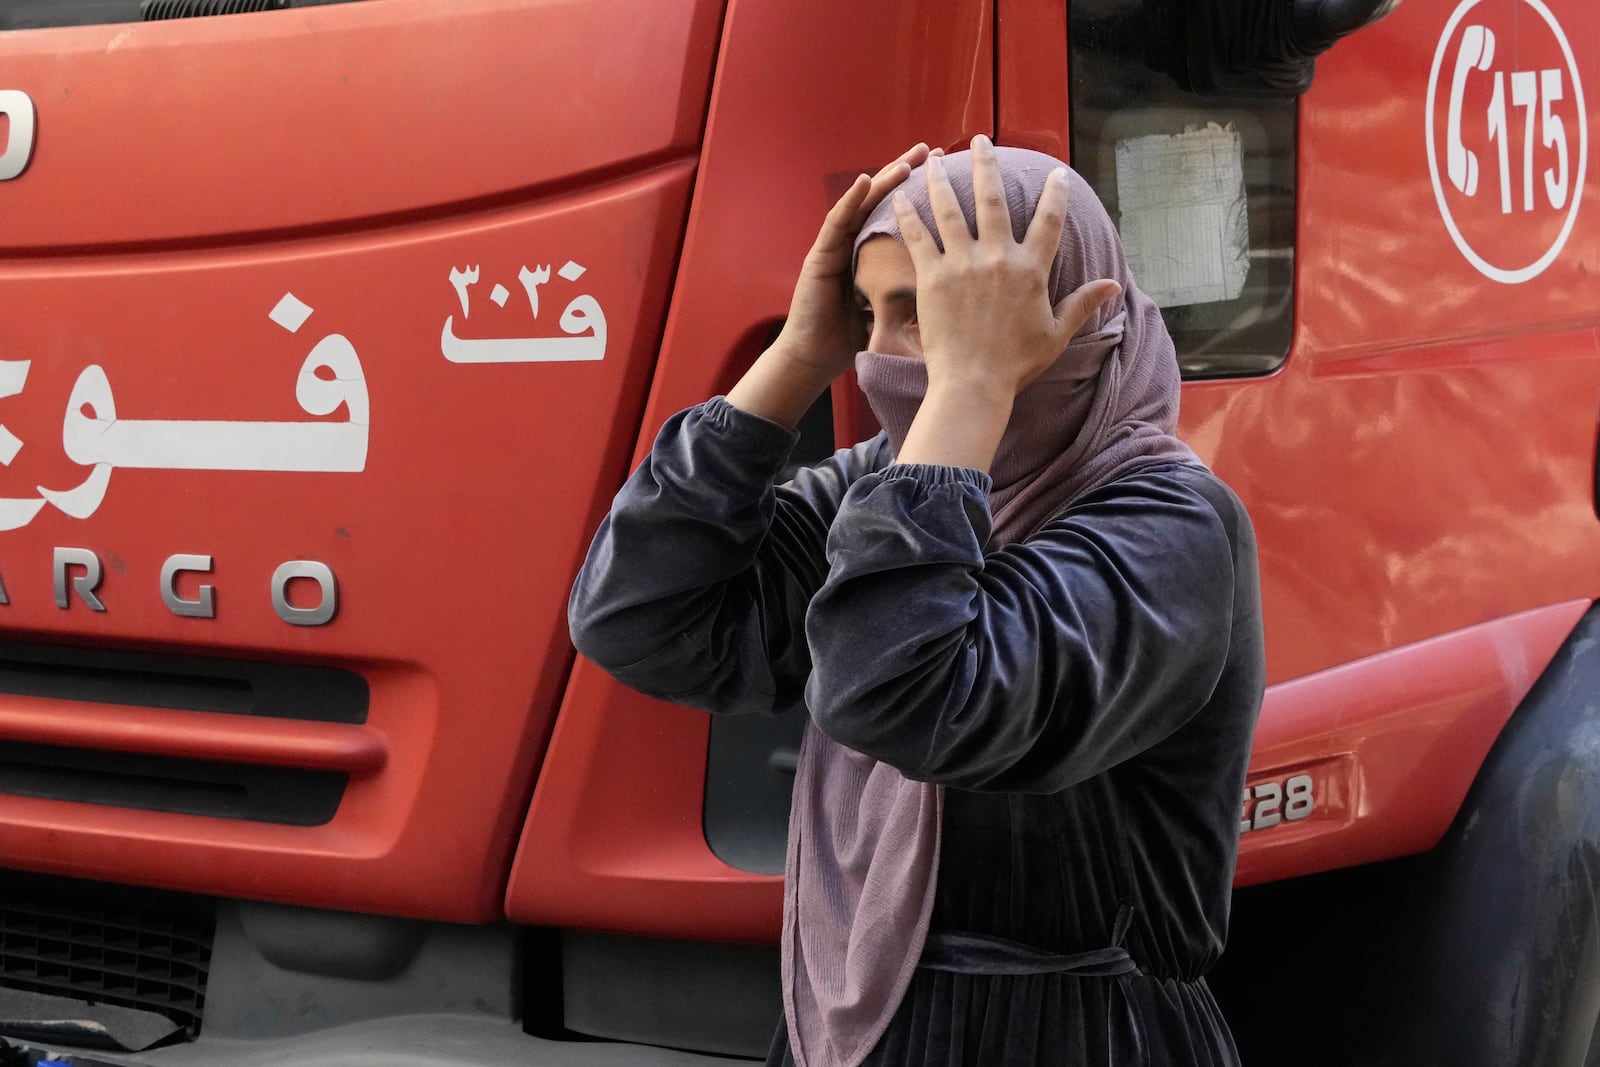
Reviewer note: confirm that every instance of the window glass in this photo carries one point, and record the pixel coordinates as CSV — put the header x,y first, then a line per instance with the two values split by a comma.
x,y
1202,188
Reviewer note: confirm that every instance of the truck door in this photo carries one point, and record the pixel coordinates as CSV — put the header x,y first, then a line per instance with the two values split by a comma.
x,y
1389,354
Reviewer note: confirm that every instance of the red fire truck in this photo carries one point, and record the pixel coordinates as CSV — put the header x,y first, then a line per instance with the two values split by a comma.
x,y
327,331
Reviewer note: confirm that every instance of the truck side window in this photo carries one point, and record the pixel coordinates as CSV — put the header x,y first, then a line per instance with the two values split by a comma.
x,y
1202,189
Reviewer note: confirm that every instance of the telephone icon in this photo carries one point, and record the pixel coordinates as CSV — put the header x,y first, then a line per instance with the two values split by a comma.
x,y
1477,52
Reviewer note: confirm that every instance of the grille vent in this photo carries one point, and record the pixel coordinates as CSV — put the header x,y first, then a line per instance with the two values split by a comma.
x,y
152,10
104,944
284,795
183,683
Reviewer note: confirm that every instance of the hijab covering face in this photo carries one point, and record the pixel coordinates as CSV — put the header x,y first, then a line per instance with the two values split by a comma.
x,y
864,841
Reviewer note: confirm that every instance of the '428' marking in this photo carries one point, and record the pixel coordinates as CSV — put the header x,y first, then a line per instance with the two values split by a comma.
x,y
1270,803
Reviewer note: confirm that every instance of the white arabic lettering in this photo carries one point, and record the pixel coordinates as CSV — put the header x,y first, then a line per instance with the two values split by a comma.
x,y
462,279
582,320
15,512
531,280
93,435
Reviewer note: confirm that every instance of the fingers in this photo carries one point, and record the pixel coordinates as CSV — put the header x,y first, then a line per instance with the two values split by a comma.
x,y
850,202
840,226
989,192
947,214
889,177
885,180
850,211
911,157
1049,218
919,242
866,191
1077,307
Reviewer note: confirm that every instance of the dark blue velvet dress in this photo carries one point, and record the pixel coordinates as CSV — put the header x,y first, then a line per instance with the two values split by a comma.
x,y
1086,697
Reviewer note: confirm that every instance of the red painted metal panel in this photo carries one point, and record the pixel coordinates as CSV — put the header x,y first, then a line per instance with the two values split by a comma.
x,y
1415,493
1031,105
1423,464
358,751
1392,742
1424,460
453,548
613,838
456,526
315,118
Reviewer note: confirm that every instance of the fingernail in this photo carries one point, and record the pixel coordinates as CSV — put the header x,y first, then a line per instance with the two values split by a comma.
x,y
936,164
900,199
1059,174
982,143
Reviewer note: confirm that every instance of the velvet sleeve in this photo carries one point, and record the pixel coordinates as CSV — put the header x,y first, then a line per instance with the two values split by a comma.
x,y
696,584
1031,668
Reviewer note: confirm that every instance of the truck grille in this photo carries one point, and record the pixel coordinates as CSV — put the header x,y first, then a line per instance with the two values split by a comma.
x,y
288,796
35,764
183,683
104,944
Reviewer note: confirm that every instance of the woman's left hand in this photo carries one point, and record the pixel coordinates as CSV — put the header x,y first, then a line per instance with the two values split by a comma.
x,y
987,323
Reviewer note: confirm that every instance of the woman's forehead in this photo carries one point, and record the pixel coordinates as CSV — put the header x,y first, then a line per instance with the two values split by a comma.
x,y
882,262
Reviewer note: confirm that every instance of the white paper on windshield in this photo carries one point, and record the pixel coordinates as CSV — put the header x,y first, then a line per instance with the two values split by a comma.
x,y
1184,223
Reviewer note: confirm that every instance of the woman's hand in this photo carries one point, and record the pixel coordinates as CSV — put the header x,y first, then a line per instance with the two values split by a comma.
x,y
984,302
823,327
820,339
987,325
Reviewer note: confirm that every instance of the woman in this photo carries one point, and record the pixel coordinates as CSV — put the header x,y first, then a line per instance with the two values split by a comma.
x,y
1024,619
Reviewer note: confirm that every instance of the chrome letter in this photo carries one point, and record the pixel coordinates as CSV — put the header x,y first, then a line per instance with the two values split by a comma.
x,y
204,606
320,573
82,584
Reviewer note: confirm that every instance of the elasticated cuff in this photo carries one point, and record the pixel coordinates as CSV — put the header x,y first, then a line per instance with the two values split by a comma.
x,y
744,428
932,474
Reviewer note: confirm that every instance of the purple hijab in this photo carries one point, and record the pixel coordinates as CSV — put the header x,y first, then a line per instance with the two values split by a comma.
x,y
863,853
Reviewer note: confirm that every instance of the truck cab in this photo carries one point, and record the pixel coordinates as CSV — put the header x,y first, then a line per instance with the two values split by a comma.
x,y
329,330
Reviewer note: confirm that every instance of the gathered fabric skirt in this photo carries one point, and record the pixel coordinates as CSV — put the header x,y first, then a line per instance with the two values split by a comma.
x,y
980,1020
1111,912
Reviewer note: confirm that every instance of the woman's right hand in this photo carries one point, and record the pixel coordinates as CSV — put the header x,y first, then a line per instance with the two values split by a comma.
x,y
819,340
823,331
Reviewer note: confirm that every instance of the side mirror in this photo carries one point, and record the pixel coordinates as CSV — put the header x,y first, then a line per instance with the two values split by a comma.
x,y
1319,23
1263,47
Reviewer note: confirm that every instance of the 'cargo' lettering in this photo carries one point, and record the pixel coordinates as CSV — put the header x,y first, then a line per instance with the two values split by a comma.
x,y
78,573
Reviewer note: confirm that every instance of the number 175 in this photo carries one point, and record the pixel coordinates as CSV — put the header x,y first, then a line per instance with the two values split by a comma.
x,y
1530,90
